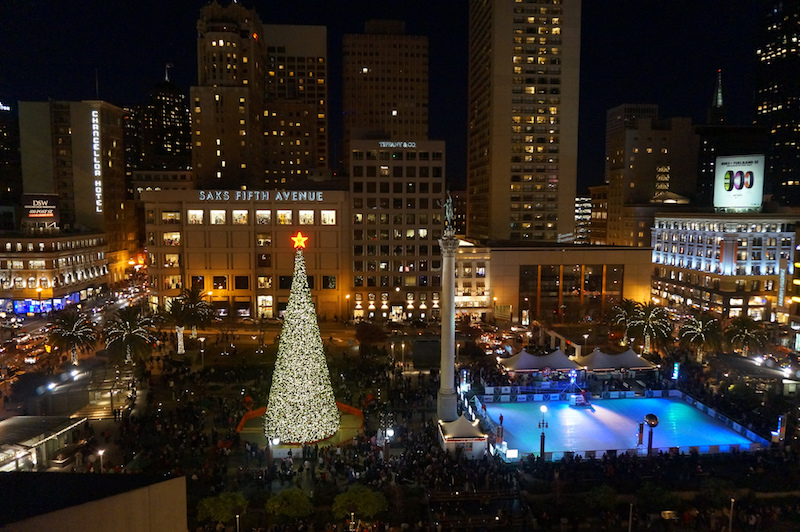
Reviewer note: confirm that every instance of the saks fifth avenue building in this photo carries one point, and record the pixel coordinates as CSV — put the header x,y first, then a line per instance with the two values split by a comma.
x,y
236,247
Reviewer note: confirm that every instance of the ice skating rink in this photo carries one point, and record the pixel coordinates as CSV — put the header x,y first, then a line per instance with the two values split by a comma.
x,y
611,424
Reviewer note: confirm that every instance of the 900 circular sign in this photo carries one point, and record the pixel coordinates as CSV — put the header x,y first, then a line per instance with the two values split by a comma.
x,y
738,180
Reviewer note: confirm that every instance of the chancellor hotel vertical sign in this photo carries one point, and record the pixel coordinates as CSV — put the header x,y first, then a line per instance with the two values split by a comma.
x,y
97,166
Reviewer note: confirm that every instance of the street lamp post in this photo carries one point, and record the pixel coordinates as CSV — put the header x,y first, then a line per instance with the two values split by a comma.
x,y
542,425
202,352
403,353
347,318
730,517
39,293
100,452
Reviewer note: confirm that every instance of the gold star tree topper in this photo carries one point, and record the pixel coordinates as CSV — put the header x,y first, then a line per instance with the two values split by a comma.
x,y
299,240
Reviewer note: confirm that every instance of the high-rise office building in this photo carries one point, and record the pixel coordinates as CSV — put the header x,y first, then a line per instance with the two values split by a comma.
x,y
385,85
397,190
524,61
227,104
777,97
166,129
719,138
81,183
650,164
296,106
158,132
10,166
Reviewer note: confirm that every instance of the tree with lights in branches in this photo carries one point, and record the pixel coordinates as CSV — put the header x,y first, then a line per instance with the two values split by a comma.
x,y
301,407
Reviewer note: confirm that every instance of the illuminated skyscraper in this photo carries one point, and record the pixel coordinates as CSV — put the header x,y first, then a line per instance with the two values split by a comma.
x,y
385,85
10,166
157,134
651,164
72,152
524,62
778,97
296,107
228,102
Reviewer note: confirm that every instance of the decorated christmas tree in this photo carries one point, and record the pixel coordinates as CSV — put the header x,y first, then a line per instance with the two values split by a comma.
x,y
301,407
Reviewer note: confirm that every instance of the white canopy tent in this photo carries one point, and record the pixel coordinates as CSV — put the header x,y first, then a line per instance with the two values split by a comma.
x,y
465,434
526,362
599,361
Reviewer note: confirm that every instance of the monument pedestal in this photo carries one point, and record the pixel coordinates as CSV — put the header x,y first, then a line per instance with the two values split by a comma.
x,y
447,405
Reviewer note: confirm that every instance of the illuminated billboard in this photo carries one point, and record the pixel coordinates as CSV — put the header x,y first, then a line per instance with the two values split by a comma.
x,y
739,182
40,207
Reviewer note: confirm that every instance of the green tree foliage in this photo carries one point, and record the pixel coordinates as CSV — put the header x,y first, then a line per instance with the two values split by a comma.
x,y
716,492
221,508
652,323
602,498
198,310
653,498
130,334
746,334
361,500
702,334
72,332
176,314
289,504
624,314
301,407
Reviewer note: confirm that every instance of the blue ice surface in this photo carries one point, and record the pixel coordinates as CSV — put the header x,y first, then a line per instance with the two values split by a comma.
x,y
611,424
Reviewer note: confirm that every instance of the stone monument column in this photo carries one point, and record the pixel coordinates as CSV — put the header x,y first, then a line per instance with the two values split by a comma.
x,y
446,404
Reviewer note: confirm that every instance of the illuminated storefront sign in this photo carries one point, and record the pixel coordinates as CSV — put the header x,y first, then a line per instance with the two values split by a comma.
x,y
396,144
96,162
42,207
260,195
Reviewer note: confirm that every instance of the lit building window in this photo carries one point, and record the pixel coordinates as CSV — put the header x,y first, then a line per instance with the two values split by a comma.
x,y
284,217
240,217
217,217
328,217
306,217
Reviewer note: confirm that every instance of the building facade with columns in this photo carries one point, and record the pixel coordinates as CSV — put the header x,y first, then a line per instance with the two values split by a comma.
x,y
565,283
725,263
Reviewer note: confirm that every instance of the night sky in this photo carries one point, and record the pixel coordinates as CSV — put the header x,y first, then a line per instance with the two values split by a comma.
x,y
665,52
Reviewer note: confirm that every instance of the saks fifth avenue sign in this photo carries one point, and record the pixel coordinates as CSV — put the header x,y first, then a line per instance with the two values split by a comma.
x,y
260,195
96,162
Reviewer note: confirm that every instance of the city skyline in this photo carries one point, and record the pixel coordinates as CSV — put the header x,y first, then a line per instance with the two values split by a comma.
x,y
623,60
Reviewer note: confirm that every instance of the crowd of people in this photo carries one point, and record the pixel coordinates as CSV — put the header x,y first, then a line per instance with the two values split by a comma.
x,y
189,428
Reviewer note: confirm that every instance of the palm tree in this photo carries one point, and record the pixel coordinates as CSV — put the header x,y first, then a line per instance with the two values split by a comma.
x,y
198,310
176,314
625,314
653,323
72,332
702,333
745,333
130,333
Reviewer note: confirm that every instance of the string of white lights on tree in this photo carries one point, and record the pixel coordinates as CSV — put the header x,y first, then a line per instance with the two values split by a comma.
x,y
301,407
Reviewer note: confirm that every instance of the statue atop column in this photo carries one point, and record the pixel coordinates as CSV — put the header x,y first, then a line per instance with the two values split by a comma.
x,y
449,217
